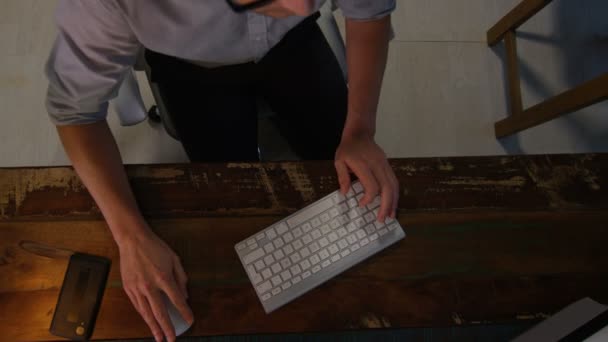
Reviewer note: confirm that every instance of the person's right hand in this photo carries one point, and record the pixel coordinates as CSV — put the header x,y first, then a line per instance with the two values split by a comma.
x,y
148,266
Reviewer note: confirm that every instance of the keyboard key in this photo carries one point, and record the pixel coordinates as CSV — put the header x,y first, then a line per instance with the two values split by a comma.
x,y
288,237
295,270
324,254
306,227
316,234
316,269
360,210
286,285
342,244
332,237
374,204
353,214
259,265
360,222
282,228
285,263
315,222
240,246
268,260
352,203
370,229
360,234
297,245
357,187
276,268
276,280
278,255
364,241
334,224
323,242
314,247
350,193
370,217
295,257
389,220
309,212
269,247
343,208
306,274
266,296
305,264
260,236
354,247
325,263
344,253
278,242
325,229
333,249
276,291
296,279
373,237
333,212
343,219
342,232
314,259
288,249
307,239
266,273
256,279
351,239
393,226
297,232
305,252
359,197
337,197
253,256
351,227
286,275
251,270
251,242
382,231
264,287
271,234
335,257
324,217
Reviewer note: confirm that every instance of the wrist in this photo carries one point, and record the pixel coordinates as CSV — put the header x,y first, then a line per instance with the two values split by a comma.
x,y
128,230
358,127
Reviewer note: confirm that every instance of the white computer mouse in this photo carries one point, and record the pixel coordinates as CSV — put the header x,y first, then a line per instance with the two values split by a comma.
x,y
180,325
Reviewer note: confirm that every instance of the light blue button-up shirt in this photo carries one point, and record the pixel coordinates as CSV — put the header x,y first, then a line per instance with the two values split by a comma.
x,y
98,42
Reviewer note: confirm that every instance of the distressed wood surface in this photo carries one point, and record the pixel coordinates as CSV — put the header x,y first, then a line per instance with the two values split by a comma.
x,y
490,240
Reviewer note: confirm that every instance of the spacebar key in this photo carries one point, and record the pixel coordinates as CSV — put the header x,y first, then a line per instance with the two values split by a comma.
x,y
310,212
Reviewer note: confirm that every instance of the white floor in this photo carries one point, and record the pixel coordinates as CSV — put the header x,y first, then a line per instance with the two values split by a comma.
x,y
443,91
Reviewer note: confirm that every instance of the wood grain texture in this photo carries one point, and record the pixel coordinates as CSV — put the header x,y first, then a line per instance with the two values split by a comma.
x,y
490,240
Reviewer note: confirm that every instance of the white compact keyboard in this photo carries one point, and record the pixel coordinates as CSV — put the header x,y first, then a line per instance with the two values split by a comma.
x,y
315,244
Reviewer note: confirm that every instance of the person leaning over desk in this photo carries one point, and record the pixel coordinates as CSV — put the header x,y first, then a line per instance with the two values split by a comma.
x,y
212,59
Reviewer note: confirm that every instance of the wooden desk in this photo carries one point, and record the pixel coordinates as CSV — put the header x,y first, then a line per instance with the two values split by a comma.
x,y
490,240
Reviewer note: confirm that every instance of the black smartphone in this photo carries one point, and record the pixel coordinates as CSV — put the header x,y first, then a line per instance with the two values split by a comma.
x,y
80,297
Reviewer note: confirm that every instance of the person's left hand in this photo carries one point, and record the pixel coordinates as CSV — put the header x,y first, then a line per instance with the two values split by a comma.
x,y
363,157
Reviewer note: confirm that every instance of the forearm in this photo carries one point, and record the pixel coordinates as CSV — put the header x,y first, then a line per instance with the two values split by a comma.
x,y
95,156
366,53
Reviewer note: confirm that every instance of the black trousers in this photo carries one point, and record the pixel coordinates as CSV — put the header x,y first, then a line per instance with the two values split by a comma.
x,y
214,110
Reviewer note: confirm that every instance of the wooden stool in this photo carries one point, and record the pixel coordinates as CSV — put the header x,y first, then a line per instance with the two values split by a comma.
x,y
586,94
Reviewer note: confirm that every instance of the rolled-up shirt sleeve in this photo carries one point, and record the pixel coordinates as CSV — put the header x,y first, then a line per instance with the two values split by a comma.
x,y
366,9
93,50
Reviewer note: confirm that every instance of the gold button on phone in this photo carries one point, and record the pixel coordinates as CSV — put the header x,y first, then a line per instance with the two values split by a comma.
x,y
80,331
